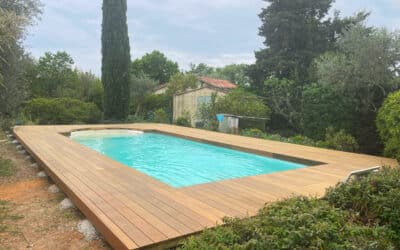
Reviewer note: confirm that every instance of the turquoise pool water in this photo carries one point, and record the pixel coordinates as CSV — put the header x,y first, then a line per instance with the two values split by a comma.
x,y
180,162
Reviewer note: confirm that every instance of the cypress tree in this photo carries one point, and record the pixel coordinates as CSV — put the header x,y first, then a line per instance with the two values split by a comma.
x,y
115,60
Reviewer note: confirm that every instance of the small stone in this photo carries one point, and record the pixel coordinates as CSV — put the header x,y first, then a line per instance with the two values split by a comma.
x,y
87,229
66,204
53,189
19,147
15,141
28,158
42,174
34,165
22,152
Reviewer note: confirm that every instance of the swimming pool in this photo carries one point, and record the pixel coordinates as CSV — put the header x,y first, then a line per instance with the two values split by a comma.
x,y
176,161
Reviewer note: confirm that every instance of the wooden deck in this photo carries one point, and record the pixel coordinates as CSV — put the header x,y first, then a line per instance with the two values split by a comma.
x,y
133,210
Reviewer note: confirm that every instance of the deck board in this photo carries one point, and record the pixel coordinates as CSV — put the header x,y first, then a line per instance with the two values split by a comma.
x,y
133,210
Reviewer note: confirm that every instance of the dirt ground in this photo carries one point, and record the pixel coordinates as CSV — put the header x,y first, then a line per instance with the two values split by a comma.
x,y
30,217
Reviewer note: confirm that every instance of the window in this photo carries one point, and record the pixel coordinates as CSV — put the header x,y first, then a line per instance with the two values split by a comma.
x,y
203,100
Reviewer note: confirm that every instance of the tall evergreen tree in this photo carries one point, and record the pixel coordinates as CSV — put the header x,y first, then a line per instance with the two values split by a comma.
x,y
295,32
116,60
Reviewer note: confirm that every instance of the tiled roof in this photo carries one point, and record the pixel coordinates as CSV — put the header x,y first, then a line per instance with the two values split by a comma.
x,y
218,83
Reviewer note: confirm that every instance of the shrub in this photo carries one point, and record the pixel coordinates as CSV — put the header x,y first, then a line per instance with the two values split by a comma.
x,y
301,139
160,116
374,198
5,123
295,223
62,111
339,141
323,106
241,102
253,132
183,121
388,123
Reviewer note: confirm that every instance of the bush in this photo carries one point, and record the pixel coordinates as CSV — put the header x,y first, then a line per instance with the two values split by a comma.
x,y
62,111
253,132
295,223
160,116
339,141
374,198
6,123
241,102
323,106
388,123
333,140
183,121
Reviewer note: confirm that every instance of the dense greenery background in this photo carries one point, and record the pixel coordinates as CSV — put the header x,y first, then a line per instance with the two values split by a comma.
x,y
320,78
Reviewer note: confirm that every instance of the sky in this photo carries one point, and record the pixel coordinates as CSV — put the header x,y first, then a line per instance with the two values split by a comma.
x,y
215,32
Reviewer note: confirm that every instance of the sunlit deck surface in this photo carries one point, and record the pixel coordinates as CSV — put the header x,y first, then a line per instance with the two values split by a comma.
x,y
132,210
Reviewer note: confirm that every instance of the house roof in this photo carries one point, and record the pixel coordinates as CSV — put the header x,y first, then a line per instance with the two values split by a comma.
x,y
218,83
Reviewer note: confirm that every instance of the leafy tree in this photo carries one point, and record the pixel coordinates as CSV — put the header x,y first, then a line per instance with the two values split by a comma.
x,y
54,75
180,82
241,102
323,106
388,123
201,69
156,66
15,18
283,97
140,88
90,87
295,33
235,73
115,60
364,69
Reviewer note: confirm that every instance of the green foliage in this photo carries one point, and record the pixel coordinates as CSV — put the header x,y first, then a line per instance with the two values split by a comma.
x,y
15,18
6,123
364,70
7,168
295,33
62,111
333,140
181,82
339,140
160,116
201,69
183,121
54,75
207,112
115,60
241,102
140,89
374,198
283,97
253,132
153,102
295,223
155,66
323,106
236,73
388,123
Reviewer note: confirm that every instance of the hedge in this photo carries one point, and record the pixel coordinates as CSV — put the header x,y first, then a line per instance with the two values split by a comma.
x,y
61,111
362,214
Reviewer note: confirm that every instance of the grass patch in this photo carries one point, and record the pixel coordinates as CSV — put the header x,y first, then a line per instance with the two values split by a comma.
x,y
70,214
7,216
7,168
